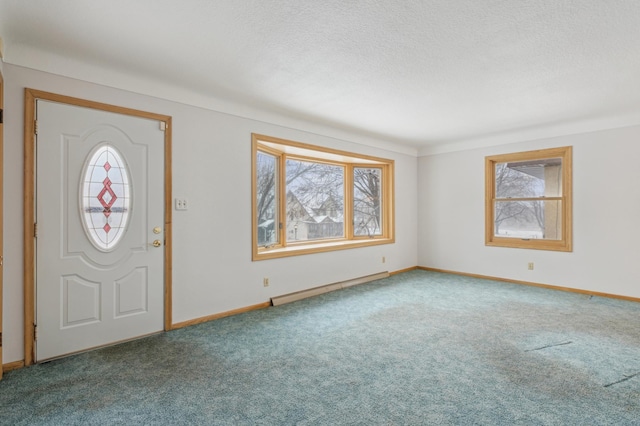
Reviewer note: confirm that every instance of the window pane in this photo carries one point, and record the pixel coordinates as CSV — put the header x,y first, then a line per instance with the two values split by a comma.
x,y
529,219
315,200
267,198
534,178
367,201
105,200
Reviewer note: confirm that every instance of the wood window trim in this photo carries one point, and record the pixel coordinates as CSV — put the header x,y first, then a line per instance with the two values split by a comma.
x,y
565,243
284,149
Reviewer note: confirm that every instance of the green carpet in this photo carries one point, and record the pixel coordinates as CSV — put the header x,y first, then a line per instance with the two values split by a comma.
x,y
416,348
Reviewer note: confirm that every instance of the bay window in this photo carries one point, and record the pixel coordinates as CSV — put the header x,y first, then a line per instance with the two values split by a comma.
x,y
310,199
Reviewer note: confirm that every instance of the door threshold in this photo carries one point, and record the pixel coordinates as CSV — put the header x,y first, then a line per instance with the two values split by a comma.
x,y
95,348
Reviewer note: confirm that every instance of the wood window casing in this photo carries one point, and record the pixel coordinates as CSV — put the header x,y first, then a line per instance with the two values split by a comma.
x,y
285,150
560,242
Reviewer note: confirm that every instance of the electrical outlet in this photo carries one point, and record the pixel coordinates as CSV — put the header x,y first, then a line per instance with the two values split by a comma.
x,y
530,266
181,204
265,282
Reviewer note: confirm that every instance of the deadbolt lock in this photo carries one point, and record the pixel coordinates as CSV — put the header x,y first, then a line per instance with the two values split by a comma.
x,y
157,230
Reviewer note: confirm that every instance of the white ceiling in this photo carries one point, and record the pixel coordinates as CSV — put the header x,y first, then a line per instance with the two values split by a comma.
x,y
433,75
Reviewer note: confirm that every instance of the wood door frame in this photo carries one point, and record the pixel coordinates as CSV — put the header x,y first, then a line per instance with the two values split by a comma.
x,y
30,97
1,207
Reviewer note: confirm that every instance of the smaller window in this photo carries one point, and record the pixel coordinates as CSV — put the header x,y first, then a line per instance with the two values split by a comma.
x,y
528,200
367,201
267,184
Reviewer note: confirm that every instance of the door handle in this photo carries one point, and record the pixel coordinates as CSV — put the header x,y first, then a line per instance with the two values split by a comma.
x,y
156,243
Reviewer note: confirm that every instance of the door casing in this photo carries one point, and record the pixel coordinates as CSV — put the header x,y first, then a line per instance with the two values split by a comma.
x,y
1,208
31,95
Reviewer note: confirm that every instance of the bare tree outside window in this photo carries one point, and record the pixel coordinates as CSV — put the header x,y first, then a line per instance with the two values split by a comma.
x,y
366,201
521,210
266,191
315,200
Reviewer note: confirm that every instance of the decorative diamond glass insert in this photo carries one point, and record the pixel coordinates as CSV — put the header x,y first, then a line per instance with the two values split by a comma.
x,y
105,198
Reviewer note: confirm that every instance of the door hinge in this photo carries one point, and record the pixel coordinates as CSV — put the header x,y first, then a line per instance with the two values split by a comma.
x,y
0,340
163,126
1,116
35,127
35,230
35,332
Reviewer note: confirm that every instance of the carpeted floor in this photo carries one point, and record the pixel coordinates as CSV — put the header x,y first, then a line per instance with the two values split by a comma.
x,y
416,348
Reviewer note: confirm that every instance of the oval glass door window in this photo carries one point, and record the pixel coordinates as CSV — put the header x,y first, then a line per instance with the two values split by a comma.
x,y
105,198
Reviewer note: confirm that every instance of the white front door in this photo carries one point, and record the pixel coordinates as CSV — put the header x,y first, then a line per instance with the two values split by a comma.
x,y
100,236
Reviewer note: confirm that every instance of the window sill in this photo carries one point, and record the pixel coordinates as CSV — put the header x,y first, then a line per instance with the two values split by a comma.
x,y
551,245
297,250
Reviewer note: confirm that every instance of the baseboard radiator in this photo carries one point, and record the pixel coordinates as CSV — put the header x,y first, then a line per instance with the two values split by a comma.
x,y
299,295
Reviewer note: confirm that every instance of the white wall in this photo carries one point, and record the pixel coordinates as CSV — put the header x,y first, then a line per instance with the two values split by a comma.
x,y
212,267
606,216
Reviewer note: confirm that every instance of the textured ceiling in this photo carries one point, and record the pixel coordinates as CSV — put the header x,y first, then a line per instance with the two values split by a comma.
x,y
433,75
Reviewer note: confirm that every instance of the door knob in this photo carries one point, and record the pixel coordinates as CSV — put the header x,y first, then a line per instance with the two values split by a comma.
x,y
157,243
